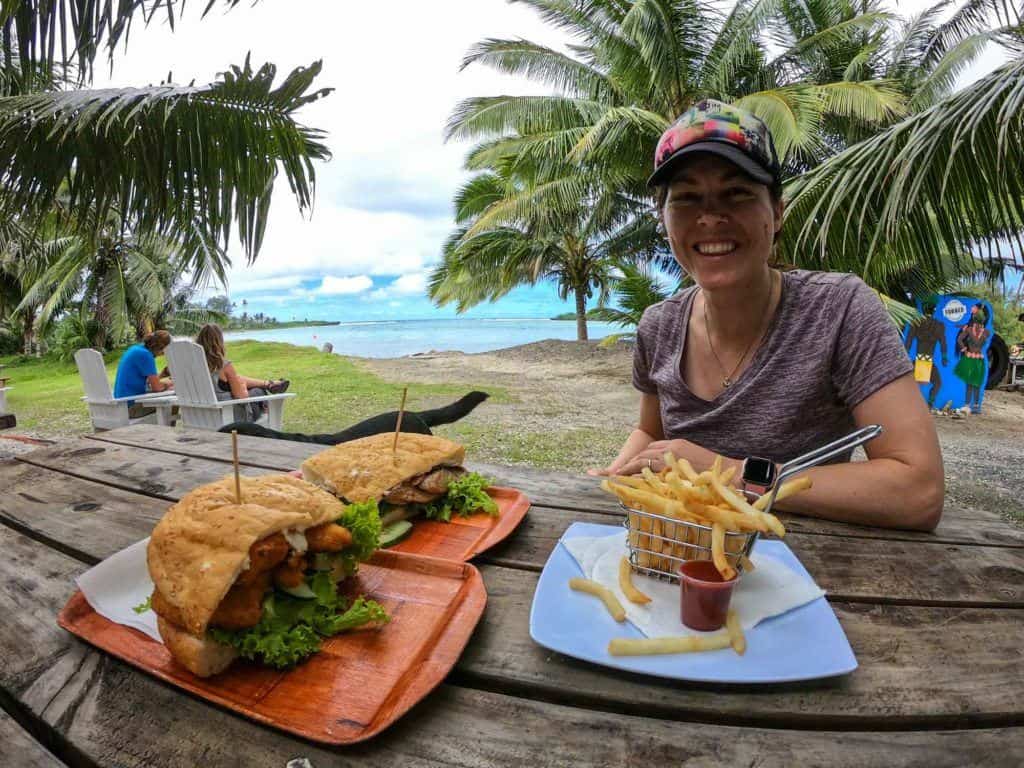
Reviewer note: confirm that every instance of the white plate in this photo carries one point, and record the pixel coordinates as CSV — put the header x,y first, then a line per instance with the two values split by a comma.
x,y
803,644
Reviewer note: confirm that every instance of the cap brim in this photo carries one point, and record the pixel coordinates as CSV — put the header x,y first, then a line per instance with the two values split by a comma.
x,y
726,151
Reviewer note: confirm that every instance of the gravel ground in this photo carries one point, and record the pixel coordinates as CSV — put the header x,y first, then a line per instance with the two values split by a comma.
x,y
571,405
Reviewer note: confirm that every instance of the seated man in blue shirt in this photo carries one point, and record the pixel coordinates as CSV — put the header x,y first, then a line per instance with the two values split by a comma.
x,y
136,371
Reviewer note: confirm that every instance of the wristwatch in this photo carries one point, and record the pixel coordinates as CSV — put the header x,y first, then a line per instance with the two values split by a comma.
x,y
758,475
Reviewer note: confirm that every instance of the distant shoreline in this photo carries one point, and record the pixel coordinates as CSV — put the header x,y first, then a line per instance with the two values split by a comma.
x,y
277,326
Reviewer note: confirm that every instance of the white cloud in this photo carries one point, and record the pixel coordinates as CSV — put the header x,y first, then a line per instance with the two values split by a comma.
x,y
245,282
339,286
406,285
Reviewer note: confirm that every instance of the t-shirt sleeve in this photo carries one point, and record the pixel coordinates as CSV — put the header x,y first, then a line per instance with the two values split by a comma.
x,y
869,352
643,354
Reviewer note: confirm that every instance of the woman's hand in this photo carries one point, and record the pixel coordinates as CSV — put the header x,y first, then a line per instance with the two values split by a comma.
x,y
653,457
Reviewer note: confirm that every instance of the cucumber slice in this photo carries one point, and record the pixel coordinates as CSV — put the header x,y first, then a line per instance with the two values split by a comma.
x,y
394,533
303,592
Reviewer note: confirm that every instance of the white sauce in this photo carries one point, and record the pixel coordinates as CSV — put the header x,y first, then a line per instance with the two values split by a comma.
x,y
296,540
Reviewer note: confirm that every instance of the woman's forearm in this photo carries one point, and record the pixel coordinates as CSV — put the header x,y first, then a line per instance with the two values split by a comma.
x,y
881,492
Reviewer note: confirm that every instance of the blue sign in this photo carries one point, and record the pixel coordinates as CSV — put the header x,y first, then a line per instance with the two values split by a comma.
x,y
949,348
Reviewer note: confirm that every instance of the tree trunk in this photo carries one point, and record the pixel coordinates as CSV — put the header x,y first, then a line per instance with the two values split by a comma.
x,y
28,332
581,315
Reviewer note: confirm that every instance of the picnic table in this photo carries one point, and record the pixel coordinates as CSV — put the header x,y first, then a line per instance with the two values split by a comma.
x,y
936,621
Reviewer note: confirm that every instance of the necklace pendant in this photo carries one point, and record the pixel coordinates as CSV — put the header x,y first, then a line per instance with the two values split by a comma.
x,y
726,382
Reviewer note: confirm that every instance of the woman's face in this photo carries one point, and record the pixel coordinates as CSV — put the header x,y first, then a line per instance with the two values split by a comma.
x,y
720,222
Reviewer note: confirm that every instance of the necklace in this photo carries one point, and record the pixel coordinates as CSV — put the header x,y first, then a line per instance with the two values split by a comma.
x,y
727,380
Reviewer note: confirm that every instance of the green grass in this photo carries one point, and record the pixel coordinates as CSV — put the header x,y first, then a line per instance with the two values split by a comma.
x,y
333,392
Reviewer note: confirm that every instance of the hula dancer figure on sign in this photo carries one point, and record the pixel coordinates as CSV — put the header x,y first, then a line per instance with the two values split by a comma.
x,y
969,344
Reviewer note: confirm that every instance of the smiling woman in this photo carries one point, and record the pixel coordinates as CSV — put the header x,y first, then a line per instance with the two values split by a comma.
x,y
759,365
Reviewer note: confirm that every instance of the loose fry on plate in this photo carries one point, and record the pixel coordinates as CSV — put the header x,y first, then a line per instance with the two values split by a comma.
x,y
611,602
632,594
718,552
745,561
736,638
649,646
785,490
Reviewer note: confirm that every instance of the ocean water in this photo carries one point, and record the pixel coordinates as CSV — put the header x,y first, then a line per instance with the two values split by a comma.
x,y
395,338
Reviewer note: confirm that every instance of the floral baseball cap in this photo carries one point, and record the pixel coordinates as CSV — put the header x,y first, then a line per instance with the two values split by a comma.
x,y
720,129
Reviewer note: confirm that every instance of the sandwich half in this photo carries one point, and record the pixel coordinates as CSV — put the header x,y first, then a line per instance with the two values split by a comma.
x,y
256,579
424,475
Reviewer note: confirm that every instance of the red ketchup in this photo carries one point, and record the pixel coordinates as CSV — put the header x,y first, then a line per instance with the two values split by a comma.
x,y
705,595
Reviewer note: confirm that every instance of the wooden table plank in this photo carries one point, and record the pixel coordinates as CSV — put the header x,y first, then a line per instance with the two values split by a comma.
x,y
849,569
113,715
920,666
960,525
52,506
19,748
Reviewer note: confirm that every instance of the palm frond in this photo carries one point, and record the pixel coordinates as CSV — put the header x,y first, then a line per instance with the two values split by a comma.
x,y
42,34
937,185
540,64
490,116
171,160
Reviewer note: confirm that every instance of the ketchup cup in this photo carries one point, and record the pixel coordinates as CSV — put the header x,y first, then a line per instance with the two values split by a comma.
x,y
704,594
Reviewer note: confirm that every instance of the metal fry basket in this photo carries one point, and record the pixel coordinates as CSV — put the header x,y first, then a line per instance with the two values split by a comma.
x,y
658,545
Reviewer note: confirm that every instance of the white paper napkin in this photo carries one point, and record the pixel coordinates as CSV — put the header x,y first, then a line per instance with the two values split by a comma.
x,y
770,589
118,584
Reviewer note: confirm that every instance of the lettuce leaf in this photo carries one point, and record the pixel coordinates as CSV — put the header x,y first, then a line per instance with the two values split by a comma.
x,y
363,522
291,629
466,495
142,607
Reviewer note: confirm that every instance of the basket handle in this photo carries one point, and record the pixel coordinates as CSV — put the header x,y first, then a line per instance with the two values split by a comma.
x,y
821,455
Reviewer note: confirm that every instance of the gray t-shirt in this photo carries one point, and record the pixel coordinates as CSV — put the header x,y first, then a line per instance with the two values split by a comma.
x,y
830,346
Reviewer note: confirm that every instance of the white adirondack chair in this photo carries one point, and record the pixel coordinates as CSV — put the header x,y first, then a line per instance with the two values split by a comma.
x,y
197,399
107,411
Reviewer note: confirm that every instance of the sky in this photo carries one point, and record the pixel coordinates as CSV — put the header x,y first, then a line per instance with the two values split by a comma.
x,y
383,206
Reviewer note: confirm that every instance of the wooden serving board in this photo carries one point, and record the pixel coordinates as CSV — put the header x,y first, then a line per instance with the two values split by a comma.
x,y
466,537
463,538
360,682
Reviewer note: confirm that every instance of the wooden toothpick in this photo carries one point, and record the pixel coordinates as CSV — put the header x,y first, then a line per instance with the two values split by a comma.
x,y
234,454
398,425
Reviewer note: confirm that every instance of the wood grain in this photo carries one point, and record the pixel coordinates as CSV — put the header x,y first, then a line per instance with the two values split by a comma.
x,y
960,525
940,667
114,715
18,748
97,521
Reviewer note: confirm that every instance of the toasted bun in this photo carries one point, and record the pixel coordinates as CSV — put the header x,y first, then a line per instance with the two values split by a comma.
x,y
201,545
366,469
201,656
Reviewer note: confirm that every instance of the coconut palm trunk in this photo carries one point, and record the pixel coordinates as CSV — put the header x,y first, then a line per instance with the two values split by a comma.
x,y
581,314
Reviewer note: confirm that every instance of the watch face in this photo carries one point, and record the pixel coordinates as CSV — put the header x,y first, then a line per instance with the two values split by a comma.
x,y
758,471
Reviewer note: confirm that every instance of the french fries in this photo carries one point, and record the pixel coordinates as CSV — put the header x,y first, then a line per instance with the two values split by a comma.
x,y
611,602
682,497
650,646
736,638
632,594
718,552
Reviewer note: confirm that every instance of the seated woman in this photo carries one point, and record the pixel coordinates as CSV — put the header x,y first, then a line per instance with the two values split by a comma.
x,y
227,382
760,365
136,372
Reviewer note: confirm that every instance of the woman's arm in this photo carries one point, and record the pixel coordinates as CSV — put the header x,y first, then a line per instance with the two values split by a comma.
x,y
901,485
236,382
640,438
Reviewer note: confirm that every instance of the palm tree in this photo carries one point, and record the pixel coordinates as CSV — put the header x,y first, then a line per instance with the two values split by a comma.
x,y
835,72
502,244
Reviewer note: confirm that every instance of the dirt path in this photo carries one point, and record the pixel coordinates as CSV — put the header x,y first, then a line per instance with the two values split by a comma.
x,y
573,404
